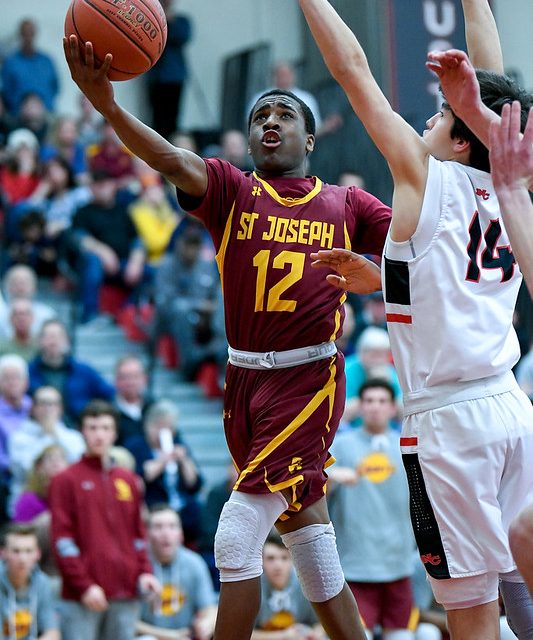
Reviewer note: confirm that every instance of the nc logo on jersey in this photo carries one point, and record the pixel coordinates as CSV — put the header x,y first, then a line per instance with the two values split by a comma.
x,y
482,193
296,465
256,191
376,468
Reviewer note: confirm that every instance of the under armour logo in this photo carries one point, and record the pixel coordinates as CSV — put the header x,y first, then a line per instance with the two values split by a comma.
x,y
428,558
483,193
226,414
256,191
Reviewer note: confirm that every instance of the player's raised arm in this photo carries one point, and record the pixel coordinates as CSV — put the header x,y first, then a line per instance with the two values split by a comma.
x,y
183,168
399,143
482,39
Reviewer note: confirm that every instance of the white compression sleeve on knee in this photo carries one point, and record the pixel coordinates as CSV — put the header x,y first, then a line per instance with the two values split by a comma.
x,y
316,560
243,527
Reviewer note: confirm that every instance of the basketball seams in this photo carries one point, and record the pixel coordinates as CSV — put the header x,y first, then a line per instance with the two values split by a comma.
x,y
118,26
73,18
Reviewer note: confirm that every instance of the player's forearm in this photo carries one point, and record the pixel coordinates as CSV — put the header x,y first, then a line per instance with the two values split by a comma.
x,y
183,168
517,213
482,39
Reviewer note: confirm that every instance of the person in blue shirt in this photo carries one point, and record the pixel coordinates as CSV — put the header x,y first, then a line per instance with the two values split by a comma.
x,y
28,71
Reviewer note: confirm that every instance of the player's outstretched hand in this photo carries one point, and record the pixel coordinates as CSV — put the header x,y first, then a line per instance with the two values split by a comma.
x,y
457,78
89,77
511,154
355,272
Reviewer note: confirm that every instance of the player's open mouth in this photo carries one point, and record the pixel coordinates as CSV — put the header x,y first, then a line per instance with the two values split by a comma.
x,y
271,139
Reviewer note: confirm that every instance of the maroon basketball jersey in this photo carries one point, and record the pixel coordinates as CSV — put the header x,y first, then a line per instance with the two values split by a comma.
x,y
263,233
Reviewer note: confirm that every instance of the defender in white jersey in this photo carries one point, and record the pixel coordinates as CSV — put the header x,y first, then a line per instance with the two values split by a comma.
x,y
450,282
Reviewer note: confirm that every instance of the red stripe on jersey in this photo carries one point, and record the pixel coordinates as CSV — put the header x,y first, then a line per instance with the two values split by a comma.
x,y
399,317
408,442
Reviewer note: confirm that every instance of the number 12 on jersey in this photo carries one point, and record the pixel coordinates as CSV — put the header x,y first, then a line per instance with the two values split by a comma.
x,y
272,297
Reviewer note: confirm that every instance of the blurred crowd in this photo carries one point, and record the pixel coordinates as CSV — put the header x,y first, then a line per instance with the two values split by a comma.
x,y
81,214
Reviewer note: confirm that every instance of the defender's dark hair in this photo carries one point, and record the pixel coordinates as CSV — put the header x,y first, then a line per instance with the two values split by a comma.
x,y
496,90
309,118
377,383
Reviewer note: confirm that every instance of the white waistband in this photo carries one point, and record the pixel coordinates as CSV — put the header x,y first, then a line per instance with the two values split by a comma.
x,y
281,359
445,394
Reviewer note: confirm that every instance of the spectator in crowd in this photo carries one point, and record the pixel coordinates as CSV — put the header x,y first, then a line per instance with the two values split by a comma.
x,y
28,70
284,614
234,149
369,506
132,398
59,197
44,428
20,282
64,143
284,77
107,245
21,341
155,220
167,467
217,496
19,175
31,246
110,157
54,366
351,178
187,604
27,608
32,505
89,123
103,560
15,404
372,359
34,116
167,77
186,299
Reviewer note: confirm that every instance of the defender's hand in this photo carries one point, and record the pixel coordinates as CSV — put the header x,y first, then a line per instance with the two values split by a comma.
x,y
355,272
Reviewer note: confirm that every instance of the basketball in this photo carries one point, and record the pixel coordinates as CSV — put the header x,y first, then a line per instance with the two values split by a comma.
x,y
134,31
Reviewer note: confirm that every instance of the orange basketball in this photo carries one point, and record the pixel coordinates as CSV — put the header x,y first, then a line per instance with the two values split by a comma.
x,y
134,31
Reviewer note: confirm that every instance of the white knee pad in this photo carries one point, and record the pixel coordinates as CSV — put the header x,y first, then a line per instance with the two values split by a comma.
x,y
316,560
243,527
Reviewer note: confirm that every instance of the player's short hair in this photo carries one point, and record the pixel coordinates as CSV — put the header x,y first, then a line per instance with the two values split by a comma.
x,y
309,118
377,383
496,89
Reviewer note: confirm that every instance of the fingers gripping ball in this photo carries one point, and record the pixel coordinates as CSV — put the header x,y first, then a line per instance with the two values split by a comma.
x,y
134,31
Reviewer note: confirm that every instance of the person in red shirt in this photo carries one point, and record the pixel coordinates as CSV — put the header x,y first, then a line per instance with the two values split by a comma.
x,y
98,537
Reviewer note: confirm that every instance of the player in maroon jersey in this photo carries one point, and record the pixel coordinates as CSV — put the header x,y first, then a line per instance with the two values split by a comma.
x,y
285,382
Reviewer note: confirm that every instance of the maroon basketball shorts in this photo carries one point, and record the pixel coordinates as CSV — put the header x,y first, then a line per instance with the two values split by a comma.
x,y
279,425
389,604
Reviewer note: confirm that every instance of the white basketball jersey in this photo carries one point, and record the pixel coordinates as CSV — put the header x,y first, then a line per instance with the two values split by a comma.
x,y
450,291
